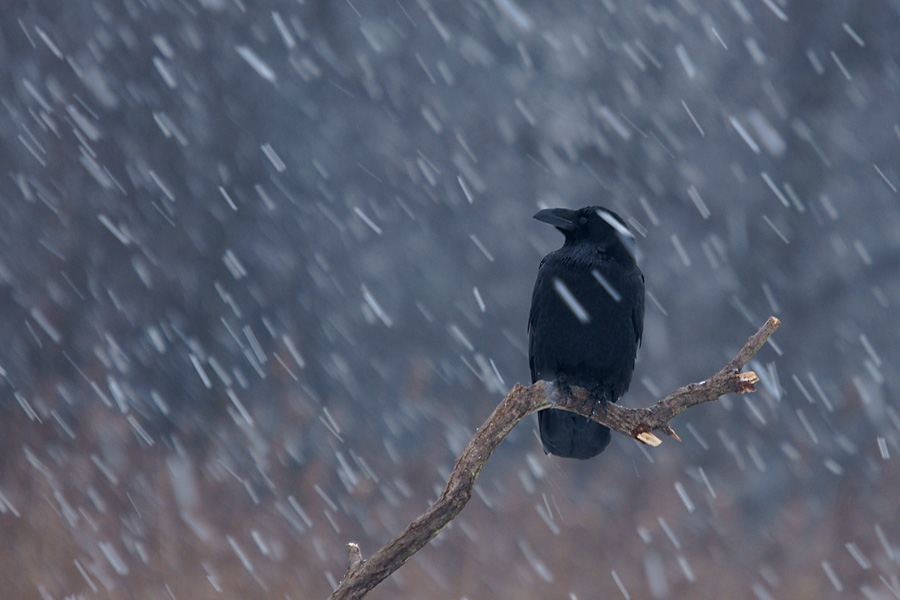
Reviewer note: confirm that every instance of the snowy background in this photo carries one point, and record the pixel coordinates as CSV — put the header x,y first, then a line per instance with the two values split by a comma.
x,y
266,266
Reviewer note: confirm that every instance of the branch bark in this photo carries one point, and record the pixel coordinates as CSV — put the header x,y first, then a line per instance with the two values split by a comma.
x,y
639,423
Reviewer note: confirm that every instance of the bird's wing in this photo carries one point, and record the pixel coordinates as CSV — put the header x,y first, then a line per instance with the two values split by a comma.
x,y
637,311
532,319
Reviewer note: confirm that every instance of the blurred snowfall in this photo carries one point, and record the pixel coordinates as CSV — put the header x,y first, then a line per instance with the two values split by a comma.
x,y
266,266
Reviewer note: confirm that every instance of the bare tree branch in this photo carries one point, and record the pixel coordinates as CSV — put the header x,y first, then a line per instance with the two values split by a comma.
x,y
639,423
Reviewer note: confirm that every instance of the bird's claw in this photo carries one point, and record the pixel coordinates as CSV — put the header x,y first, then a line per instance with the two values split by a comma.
x,y
598,396
562,384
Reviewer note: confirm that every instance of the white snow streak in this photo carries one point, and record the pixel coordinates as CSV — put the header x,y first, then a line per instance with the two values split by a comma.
x,y
261,68
570,300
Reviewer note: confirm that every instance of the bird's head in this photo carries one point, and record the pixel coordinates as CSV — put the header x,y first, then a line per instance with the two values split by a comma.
x,y
592,224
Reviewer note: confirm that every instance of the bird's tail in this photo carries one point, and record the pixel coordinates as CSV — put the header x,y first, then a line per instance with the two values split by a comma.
x,y
571,435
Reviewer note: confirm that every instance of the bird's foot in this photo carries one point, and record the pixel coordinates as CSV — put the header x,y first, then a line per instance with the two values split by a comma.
x,y
562,384
599,397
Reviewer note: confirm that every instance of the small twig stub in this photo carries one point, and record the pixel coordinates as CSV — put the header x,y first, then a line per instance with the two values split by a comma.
x,y
642,433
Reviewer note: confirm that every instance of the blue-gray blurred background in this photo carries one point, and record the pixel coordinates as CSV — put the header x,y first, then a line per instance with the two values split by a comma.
x,y
265,266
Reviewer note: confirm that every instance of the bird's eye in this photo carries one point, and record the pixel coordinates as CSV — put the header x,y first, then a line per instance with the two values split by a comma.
x,y
582,220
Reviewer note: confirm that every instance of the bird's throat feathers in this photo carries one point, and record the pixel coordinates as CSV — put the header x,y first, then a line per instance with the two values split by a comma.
x,y
590,255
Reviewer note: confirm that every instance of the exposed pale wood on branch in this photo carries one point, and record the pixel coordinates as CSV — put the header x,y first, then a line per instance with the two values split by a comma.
x,y
639,423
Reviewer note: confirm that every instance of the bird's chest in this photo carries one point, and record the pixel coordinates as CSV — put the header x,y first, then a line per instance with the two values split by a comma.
x,y
594,297
582,317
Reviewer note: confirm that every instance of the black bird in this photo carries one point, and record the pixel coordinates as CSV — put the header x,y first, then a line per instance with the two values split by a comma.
x,y
586,322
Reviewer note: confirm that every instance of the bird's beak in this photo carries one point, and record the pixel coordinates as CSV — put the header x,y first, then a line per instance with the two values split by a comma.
x,y
561,218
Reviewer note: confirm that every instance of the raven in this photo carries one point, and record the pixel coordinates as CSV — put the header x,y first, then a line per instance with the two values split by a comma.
x,y
586,322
